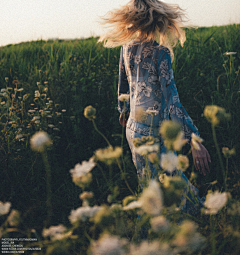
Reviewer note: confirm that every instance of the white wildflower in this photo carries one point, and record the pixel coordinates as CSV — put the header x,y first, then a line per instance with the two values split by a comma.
x,y
21,89
36,118
108,245
179,141
159,224
215,201
3,90
109,154
230,53
39,141
14,218
183,162
187,240
169,161
19,136
132,205
51,125
81,173
31,111
145,149
123,97
4,207
37,93
151,199
82,213
55,232
162,177
83,168
150,248
152,112
64,110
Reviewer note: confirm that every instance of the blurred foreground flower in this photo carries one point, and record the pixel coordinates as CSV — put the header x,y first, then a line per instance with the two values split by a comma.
x,y
37,93
56,232
183,162
187,240
40,141
215,201
169,161
108,155
172,135
108,245
14,218
160,224
216,114
132,205
151,199
4,208
81,175
230,53
85,196
82,213
150,248
146,149
90,112
228,153
152,112
124,97
144,140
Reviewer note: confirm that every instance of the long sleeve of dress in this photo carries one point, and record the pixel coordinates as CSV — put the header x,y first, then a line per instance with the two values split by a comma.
x,y
172,104
123,85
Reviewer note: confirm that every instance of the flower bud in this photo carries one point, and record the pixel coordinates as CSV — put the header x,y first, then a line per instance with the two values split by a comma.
x,y
215,114
170,129
40,141
90,112
228,153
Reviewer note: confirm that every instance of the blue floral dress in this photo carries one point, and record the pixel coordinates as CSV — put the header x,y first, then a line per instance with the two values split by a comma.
x,y
146,74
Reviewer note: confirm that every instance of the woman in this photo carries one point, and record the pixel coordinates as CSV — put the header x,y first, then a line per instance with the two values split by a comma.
x,y
145,73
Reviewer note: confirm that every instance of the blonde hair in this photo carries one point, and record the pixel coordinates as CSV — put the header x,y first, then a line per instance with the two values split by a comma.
x,y
148,20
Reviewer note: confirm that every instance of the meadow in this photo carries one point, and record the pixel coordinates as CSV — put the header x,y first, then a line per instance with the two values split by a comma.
x,y
46,85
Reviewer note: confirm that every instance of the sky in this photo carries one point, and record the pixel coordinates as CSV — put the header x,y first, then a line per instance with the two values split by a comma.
x,y
30,20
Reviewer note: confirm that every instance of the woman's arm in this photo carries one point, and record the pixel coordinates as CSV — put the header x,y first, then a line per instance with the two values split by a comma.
x,y
178,113
172,102
123,88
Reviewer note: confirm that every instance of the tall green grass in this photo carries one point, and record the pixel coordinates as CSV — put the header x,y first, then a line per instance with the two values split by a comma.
x,y
80,73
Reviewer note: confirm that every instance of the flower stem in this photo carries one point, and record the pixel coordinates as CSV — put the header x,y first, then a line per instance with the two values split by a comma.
x,y
218,152
151,125
123,124
225,184
48,187
100,133
213,240
123,174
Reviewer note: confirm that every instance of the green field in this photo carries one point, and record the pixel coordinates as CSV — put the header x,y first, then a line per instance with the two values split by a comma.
x,y
45,85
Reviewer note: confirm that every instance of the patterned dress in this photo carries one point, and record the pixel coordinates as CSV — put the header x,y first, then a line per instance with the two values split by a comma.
x,y
146,74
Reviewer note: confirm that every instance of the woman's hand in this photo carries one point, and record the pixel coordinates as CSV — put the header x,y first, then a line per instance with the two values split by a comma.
x,y
201,158
123,121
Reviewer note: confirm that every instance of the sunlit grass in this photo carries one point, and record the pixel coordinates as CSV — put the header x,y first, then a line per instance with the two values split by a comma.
x,y
45,85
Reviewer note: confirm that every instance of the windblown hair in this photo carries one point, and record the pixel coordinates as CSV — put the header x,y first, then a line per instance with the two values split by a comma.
x,y
148,20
